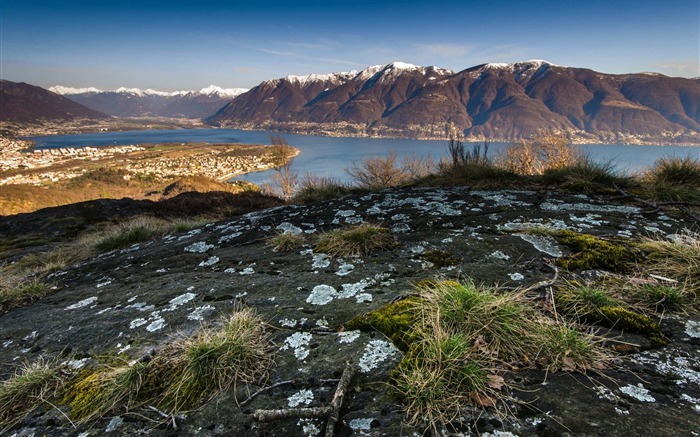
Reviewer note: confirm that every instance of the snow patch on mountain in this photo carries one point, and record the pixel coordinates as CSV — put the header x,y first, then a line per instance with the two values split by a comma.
x,y
222,92
211,90
66,90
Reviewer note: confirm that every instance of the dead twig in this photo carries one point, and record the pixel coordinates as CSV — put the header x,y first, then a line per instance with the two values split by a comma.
x,y
264,389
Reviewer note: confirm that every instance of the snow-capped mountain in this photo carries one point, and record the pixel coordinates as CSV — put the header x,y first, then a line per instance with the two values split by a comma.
x,y
135,102
503,101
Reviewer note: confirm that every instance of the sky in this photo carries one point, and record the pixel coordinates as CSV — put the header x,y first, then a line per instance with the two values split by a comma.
x,y
187,45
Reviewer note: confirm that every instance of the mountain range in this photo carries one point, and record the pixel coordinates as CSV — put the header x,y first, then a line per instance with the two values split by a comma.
x,y
489,101
494,101
134,102
24,103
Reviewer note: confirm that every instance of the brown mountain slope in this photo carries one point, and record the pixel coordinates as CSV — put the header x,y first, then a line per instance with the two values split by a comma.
x,y
496,101
24,103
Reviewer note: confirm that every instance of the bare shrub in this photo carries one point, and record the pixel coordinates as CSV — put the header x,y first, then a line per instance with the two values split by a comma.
x,y
378,172
282,156
542,153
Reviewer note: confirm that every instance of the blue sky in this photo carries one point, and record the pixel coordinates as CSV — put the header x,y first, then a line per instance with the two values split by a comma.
x,y
175,45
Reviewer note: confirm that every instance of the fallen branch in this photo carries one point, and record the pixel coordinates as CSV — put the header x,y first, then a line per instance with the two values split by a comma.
x,y
165,415
331,412
287,413
338,399
264,389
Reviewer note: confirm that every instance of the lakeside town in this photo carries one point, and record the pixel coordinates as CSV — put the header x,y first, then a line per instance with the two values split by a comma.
x,y
21,163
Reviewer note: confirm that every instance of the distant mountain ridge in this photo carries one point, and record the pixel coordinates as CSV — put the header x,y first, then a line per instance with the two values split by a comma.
x,y
496,101
134,102
24,103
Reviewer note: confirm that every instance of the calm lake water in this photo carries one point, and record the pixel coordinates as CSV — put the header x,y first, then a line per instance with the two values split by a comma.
x,y
330,156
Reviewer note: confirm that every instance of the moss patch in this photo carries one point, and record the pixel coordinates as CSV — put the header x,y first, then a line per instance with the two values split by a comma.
x,y
440,258
396,320
591,252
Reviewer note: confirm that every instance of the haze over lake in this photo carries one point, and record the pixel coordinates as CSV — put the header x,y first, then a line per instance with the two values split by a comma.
x,y
330,156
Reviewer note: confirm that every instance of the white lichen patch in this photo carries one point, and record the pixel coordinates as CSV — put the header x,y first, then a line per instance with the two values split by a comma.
x,y
157,324
499,255
322,295
321,261
418,249
141,306
309,427
516,276
322,322
622,412
229,237
77,364
637,392
287,323
200,313
551,206
351,290
400,228
179,301
302,397
345,213
543,243
348,336
692,328
137,322
114,424
588,221
288,228
683,367
104,282
344,268
363,297
376,352
209,262
247,271
605,393
199,247
298,343
82,303
499,434
361,424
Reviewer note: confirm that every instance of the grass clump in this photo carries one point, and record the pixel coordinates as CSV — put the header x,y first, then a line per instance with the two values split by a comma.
x,y
675,179
180,376
132,231
456,335
26,390
196,368
587,176
17,290
313,189
362,239
677,258
285,241
591,252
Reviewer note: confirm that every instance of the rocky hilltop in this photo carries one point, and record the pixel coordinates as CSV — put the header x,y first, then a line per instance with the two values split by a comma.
x,y
131,302
493,101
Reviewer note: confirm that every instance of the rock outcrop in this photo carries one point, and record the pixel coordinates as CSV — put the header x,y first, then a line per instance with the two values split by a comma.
x,y
132,301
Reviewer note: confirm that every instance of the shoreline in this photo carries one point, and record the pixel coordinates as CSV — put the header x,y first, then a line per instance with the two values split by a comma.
x,y
155,124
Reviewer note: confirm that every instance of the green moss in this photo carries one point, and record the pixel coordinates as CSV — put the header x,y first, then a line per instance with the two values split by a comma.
x,y
590,252
94,393
440,258
627,320
396,320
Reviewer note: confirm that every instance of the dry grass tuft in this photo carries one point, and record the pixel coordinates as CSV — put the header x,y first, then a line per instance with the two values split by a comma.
x,y
285,241
362,239
26,390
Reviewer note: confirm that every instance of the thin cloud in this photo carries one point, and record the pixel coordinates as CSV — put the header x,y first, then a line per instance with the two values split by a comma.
x,y
445,50
682,68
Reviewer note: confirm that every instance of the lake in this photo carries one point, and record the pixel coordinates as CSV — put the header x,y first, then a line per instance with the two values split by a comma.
x,y
330,156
